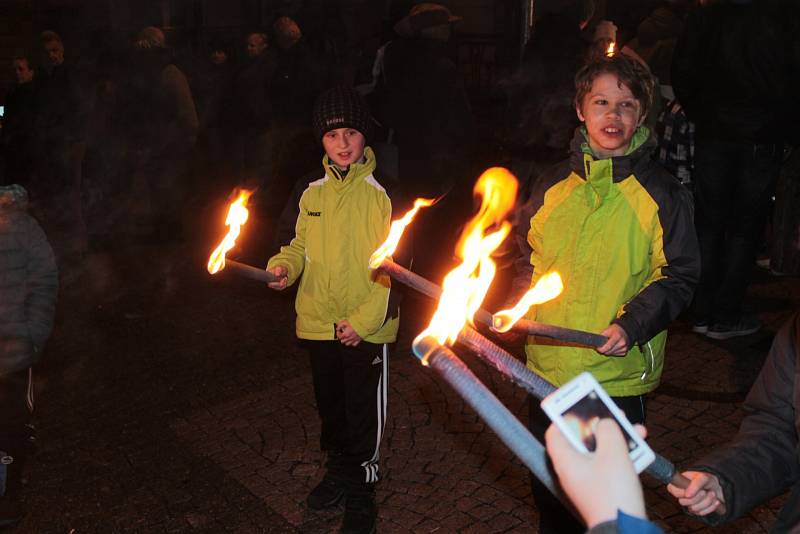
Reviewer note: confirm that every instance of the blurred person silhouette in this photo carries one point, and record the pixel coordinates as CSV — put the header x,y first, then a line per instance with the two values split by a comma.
x,y
298,80
28,291
421,100
164,128
763,459
61,144
250,107
539,116
209,85
732,73
18,135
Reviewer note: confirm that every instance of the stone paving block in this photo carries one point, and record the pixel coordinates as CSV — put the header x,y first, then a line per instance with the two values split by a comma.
x,y
456,521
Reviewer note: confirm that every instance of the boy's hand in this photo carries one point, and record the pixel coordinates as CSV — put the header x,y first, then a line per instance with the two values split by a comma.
x,y
346,334
703,496
281,273
617,344
608,467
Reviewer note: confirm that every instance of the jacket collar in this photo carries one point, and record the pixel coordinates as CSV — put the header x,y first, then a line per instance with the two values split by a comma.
x,y
356,172
582,159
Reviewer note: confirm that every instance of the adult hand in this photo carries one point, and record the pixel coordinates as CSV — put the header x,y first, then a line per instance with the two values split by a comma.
x,y
346,334
599,484
703,495
282,274
617,344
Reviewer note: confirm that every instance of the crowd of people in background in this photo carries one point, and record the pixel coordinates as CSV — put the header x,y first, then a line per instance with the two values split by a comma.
x,y
124,151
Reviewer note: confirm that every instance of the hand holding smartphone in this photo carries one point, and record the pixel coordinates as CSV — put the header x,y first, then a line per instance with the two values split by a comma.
x,y
578,406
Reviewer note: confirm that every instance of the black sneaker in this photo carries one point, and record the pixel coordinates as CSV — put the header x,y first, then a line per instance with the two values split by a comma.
x,y
360,513
327,493
746,325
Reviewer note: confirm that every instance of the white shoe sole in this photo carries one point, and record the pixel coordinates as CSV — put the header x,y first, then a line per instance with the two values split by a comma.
x,y
732,333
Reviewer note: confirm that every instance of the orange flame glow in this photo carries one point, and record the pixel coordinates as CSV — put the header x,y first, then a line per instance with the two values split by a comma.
x,y
465,287
396,232
237,216
546,288
611,49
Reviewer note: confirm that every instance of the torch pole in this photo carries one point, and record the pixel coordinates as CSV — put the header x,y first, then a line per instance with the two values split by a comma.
x,y
509,366
532,328
248,271
507,427
426,287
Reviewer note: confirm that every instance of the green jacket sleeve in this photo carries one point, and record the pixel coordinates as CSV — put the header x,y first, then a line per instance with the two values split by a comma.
x,y
370,316
293,255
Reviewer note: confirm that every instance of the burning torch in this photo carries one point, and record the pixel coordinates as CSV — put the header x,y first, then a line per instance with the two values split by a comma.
x,y
237,216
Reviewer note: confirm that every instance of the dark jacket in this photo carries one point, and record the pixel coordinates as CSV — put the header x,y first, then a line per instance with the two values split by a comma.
x,y
620,232
734,71
422,98
541,106
28,283
161,113
62,111
763,460
19,133
248,96
297,81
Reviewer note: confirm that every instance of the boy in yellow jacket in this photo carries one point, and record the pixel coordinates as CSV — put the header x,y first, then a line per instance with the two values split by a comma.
x,y
619,230
343,311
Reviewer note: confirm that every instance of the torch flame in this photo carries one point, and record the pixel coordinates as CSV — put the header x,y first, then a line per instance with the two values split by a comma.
x,y
465,287
237,216
546,288
396,232
611,48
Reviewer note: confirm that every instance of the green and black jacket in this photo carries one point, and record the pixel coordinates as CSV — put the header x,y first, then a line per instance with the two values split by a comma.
x,y
342,220
621,234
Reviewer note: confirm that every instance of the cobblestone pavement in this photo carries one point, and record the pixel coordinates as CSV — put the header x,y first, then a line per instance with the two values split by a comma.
x,y
172,401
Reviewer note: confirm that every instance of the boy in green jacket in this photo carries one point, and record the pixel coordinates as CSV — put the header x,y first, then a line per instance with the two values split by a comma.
x,y
619,230
343,311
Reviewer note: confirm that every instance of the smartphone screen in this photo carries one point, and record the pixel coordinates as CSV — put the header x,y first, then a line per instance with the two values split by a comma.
x,y
583,416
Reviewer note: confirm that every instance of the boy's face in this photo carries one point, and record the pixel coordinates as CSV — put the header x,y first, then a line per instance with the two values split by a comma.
x,y
611,114
344,146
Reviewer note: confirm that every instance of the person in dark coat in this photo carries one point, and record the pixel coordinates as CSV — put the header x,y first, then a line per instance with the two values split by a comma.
x,y
425,102
164,129
732,73
422,102
19,125
250,118
540,118
298,80
61,145
763,459
28,289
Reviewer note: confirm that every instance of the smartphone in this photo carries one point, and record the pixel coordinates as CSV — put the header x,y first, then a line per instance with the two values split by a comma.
x,y
577,407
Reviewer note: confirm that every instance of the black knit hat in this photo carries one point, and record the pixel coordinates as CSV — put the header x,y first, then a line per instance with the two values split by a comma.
x,y
342,107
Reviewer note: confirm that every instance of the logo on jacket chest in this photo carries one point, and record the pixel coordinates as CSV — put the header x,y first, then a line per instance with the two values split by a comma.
x,y
313,213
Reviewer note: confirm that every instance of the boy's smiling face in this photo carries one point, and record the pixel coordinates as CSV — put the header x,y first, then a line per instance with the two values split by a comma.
x,y
611,114
344,146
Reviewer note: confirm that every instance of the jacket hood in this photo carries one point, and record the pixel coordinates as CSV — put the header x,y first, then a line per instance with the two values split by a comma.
x,y
642,145
13,197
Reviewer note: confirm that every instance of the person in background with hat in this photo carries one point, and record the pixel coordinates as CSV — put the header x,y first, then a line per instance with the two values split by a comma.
x,y
344,314
421,99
